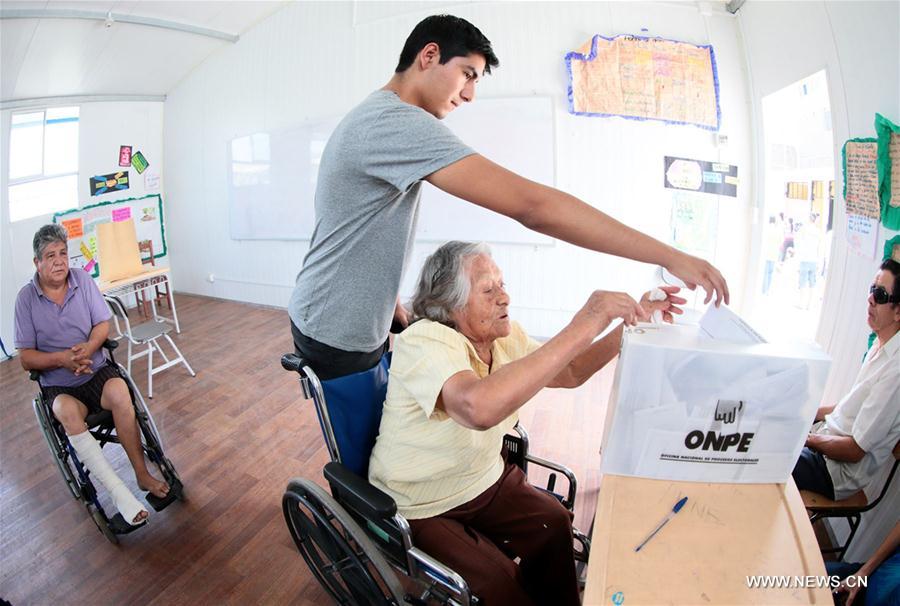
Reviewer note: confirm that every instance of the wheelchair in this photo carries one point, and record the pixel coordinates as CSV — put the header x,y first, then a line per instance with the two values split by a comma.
x,y
353,540
100,425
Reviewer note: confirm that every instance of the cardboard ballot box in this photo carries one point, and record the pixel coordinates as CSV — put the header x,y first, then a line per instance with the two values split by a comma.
x,y
685,406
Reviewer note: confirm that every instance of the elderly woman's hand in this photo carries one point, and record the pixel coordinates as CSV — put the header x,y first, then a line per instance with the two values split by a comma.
x,y
603,307
667,306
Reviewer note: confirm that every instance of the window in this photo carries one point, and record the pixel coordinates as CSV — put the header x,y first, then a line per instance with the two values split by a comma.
x,y
43,162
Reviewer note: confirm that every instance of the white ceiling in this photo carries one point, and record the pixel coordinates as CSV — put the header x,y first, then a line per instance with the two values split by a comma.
x,y
53,57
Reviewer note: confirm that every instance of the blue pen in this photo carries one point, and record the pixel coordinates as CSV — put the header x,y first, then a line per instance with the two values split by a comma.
x,y
665,521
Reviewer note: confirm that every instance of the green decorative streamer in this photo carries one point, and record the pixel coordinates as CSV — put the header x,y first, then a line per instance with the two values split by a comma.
x,y
889,248
890,215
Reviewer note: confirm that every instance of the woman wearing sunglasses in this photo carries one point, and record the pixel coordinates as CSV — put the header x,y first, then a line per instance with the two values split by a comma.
x,y
853,440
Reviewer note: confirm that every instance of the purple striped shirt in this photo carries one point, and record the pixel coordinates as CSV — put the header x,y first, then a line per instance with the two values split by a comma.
x,y
45,326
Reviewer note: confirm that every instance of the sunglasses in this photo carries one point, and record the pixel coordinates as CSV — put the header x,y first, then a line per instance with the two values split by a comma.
x,y
881,296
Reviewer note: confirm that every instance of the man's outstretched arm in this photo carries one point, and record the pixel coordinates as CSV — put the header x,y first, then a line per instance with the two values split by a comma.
x,y
563,216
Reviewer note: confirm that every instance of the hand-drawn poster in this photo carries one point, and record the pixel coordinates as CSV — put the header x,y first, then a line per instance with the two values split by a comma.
x,y
862,235
700,175
124,155
861,178
151,180
645,79
139,162
888,171
81,226
695,221
104,184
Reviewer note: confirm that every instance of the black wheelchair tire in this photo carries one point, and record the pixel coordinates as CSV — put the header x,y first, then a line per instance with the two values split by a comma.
x,y
103,525
56,449
366,578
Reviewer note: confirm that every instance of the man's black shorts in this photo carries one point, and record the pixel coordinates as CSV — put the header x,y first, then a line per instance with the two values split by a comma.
x,y
87,393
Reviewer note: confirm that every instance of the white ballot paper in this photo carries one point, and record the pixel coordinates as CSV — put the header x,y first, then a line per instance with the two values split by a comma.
x,y
710,403
723,324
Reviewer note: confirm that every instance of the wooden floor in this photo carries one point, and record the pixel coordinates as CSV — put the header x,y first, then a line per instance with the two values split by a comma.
x,y
237,433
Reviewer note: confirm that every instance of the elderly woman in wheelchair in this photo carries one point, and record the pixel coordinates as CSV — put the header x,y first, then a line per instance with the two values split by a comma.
x,y
443,503
458,377
61,327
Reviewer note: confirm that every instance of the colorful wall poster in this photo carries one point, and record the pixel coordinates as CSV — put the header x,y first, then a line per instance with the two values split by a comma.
x,y
861,178
149,224
700,176
139,162
888,171
124,155
645,79
74,227
121,214
104,184
862,235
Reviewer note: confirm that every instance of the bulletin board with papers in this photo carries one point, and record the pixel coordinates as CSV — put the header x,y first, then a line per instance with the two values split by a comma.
x,y
81,226
888,171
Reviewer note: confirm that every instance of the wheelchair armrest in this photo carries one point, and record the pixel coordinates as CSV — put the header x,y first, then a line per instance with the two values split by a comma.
x,y
569,500
356,492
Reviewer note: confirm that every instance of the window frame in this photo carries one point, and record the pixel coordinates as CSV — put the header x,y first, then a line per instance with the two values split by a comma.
x,y
43,175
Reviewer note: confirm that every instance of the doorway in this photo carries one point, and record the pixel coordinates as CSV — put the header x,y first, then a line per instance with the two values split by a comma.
x,y
798,209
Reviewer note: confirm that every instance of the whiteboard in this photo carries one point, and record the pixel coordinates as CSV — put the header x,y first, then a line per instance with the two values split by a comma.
x,y
516,133
272,176
272,182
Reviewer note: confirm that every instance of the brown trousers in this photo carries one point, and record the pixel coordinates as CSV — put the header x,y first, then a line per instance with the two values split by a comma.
x,y
479,540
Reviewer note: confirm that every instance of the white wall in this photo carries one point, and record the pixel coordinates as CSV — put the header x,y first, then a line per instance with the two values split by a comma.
x,y
313,60
102,128
858,45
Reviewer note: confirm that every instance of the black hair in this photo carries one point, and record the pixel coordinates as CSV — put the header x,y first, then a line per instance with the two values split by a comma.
x,y
893,267
455,37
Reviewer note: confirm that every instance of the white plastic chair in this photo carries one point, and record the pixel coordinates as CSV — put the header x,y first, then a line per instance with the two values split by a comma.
x,y
146,333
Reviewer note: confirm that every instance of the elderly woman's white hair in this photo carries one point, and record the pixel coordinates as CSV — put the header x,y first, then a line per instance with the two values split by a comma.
x,y
443,284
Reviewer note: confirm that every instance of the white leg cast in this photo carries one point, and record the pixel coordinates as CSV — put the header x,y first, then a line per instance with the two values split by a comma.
x,y
92,457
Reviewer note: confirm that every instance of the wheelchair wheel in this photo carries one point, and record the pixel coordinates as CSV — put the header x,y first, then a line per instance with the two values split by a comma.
x,y
151,439
103,525
57,450
145,419
340,555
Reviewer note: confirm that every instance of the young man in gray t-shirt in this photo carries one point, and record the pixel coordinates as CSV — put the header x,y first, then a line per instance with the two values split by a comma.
x,y
368,192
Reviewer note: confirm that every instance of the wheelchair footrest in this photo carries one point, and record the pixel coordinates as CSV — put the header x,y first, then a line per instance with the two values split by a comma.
x,y
161,503
119,526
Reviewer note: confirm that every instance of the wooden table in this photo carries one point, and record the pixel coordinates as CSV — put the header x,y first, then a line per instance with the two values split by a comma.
x,y
724,533
143,281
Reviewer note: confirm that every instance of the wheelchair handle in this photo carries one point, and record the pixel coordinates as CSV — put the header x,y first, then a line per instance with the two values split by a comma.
x,y
292,362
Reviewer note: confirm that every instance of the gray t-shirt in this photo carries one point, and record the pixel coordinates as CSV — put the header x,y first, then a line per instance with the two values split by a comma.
x,y
367,201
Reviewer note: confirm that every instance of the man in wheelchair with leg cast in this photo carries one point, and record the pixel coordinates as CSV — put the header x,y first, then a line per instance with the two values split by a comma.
x,y
62,326
458,376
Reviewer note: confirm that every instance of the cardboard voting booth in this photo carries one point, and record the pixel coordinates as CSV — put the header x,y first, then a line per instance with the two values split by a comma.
x,y
687,406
